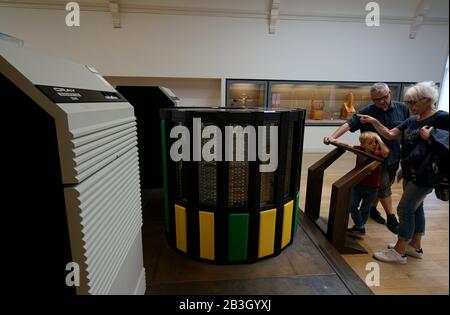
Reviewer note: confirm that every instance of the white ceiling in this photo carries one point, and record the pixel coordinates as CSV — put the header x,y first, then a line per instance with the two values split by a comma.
x,y
289,9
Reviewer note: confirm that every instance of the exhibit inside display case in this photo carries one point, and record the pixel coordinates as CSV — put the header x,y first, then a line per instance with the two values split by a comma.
x,y
246,93
326,103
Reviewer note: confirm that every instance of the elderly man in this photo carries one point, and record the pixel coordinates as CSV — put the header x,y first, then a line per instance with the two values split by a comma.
x,y
390,114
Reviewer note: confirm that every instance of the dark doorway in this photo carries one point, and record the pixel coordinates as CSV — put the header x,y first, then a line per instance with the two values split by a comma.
x,y
147,101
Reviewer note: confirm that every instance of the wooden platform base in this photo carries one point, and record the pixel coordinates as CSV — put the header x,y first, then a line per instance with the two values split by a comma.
x,y
351,244
309,266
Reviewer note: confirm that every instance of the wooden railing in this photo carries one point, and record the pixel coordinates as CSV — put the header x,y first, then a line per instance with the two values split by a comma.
x,y
336,229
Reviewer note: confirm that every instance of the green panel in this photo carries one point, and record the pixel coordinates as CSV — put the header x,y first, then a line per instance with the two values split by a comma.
x,y
238,236
164,165
296,210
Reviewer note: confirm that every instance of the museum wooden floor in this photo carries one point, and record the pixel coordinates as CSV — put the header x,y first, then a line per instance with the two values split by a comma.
x,y
310,265
429,275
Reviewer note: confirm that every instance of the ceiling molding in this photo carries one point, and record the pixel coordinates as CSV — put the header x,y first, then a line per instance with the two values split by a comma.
x,y
360,19
273,16
421,11
135,8
115,12
56,5
255,14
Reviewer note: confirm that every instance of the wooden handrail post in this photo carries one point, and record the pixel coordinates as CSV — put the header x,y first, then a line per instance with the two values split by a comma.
x,y
336,230
340,203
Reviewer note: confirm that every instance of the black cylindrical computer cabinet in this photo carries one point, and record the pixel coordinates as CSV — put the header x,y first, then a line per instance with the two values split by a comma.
x,y
227,210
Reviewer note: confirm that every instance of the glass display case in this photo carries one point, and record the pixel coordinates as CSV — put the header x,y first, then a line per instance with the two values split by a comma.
x,y
405,87
326,103
246,93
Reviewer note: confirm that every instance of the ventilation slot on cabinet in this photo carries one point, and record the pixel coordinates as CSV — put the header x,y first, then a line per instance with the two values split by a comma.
x,y
93,151
107,202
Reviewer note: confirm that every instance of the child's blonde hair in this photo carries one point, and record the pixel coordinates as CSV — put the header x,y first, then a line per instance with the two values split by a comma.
x,y
367,135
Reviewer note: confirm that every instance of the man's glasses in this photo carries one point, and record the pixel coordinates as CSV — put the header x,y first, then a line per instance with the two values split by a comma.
x,y
410,103
383,98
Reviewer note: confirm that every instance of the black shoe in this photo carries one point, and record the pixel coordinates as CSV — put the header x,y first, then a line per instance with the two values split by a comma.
x,y
392,223
376,215
359,233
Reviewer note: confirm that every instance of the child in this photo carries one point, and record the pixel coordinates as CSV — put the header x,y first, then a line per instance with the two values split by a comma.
x,y
365,192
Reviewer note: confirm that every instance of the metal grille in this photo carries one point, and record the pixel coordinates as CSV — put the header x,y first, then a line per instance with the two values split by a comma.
x,y
267,184
238,184
207,179
207,183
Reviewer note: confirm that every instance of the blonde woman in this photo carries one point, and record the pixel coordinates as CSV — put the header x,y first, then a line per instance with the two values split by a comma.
x,y
424,132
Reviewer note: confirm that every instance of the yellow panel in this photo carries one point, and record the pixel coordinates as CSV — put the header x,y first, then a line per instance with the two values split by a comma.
x,y
206,222
287,223
267,232
180,227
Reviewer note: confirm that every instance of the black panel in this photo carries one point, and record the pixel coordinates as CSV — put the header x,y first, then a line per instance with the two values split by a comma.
x,y
254,196
171,186
192,216
147,101
283,131
221,215
60,94
35,241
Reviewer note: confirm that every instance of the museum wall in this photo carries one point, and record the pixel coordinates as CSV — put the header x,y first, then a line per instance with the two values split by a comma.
x,y
215,48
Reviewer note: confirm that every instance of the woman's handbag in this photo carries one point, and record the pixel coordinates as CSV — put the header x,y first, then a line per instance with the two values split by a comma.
x,y
442,191
428,165
433,172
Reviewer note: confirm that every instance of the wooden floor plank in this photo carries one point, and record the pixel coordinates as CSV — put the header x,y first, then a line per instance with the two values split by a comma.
x,y
163,264
298,285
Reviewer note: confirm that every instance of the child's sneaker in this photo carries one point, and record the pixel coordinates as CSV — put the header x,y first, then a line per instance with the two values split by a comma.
x,y
410,251
391,256
357,232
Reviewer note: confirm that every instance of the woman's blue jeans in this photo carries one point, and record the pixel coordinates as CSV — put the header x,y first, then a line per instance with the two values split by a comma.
x,y
410,210
367,195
